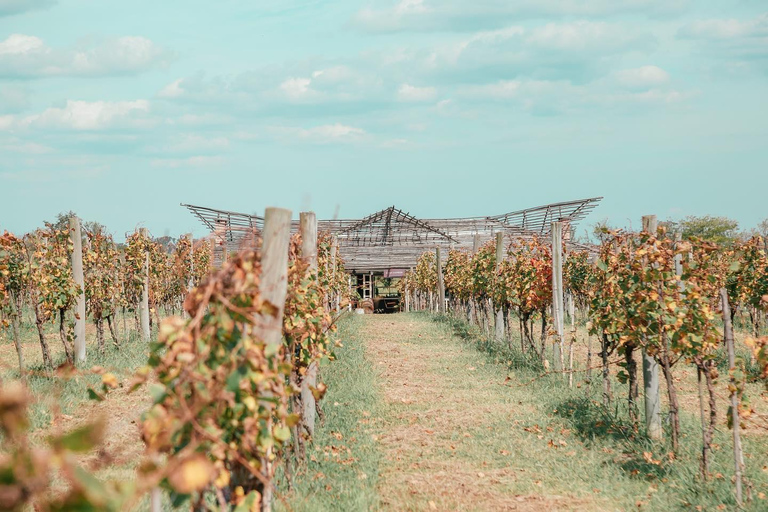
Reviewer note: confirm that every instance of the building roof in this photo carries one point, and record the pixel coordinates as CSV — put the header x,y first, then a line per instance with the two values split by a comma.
x,y
392,238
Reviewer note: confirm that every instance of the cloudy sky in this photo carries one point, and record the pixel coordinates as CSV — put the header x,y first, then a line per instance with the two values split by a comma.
x,y
122,110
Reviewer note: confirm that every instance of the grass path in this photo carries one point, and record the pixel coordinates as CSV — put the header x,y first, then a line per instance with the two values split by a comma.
x,y
423,415
452,436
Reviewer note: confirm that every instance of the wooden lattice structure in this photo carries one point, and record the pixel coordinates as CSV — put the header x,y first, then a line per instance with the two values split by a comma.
x,y
394,239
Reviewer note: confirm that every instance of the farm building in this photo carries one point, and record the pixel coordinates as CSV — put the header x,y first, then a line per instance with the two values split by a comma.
x,y
379,249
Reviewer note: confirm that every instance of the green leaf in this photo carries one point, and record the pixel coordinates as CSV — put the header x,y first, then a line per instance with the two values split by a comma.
x,y
282,434
157,392
93,395
233,381
271,349
81,439
248,503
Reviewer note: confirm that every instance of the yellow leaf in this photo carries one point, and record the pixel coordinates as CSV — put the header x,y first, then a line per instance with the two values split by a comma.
x,y
193,474
109,380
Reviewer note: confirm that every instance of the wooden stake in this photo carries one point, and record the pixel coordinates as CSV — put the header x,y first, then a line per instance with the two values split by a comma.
x,y
440,283
77,275
558,309
738,455
273,289
144,306
572,314
334,250
308,230
499,323
651,370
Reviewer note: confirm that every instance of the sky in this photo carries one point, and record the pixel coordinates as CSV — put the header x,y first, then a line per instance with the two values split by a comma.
x,y
120,111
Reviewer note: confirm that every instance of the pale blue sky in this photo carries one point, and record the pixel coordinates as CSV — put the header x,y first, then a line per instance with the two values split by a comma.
x,y
122,110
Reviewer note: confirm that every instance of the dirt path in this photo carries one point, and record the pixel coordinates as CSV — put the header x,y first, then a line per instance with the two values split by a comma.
x,y
450,437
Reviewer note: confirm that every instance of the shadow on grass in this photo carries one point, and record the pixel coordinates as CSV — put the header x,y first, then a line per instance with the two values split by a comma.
x,y
593,421
505,352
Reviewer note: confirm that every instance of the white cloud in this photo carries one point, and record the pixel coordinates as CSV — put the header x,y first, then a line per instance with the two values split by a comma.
x,y
7,122
207,119
559,97
25,56
322,134
582,35
84,115
659,96
578,51
726,29
20,44
193,161
502,89
730,45
396,144
408,92
16,145
297,88
643,77
460,15
172,90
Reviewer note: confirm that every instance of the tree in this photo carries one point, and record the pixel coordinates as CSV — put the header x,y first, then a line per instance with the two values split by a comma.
x,y
720,230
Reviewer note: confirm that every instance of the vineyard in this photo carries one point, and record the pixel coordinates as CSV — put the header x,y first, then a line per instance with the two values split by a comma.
x,y
230,362
239,381
645,298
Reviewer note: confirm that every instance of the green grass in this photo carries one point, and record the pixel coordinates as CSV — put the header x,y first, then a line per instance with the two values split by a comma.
x,y
334,478
613,462
51,391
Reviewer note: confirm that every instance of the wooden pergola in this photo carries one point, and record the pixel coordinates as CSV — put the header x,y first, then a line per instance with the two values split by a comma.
x,y
394,239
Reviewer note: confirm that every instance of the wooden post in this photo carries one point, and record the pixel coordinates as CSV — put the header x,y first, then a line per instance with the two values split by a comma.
x,y
475,243
572,314
155,500
191,280
558,309
273,289
77,274
144,305
651,369
334,250
499,323
274,270
308,230
738,456
349,285
440,283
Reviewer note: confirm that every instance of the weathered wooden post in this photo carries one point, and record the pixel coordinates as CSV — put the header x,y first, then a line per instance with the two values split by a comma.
x,y
334,250
273,289
738,455
473,315
144,306
572,314
308,230
191,280
651,369
440,282
155,500
499,323
558,309
77,274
